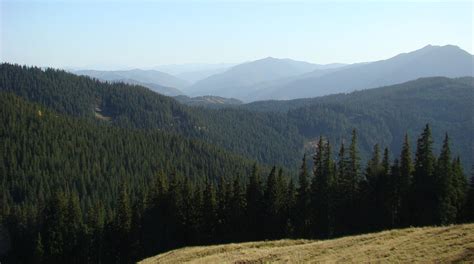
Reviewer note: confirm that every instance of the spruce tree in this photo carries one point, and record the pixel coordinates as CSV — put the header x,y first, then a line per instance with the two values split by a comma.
x,y
255,204
290,209
55,227
271,206
445,192
123,226
372,195
424,198
469,205
237,210
393,202
75,228
38,252
354,165
354,203
404,184
302,207
209,211
460,186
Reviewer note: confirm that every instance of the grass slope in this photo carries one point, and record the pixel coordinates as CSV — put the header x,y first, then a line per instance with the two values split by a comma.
x,y
429,244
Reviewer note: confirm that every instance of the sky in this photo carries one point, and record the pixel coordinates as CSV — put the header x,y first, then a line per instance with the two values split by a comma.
x,y
106,34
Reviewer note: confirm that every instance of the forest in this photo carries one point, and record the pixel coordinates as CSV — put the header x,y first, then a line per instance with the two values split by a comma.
x,y
81,192
93,172
270,132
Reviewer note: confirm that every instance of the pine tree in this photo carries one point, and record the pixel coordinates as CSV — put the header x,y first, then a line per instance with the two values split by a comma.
x,y
38,252
393,202
445,192
237,208
271,206
404,184
123,226
373,193
209,208
386,192
460,186
354,165
352,189
255,204
302,207
75,228
328,192
469,205
424,182
283,203
290,209
56,227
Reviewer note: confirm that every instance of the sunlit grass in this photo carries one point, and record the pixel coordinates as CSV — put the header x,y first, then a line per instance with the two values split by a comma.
x,y
426,245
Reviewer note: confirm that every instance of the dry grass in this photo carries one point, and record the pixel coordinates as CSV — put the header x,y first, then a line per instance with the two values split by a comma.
x,y
450,244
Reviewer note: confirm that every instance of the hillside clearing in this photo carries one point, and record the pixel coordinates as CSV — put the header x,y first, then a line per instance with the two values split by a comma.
x,y
429,244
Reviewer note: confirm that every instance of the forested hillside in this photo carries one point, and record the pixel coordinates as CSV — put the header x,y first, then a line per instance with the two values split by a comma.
x,y
265,137
385,114
78,191
272,132
47,156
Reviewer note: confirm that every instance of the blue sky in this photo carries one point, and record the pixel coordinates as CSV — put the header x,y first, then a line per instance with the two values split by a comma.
x,y
114,34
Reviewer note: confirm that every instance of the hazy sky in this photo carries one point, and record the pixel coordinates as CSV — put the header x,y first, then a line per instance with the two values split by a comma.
x,y
115,34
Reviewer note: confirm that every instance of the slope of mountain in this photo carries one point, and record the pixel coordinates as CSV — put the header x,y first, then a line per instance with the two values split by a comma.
x,y
168,91
381,115
266,137
91,143
208,101
448,61
143,76
447,244
194,72
385,114
240,80
195,76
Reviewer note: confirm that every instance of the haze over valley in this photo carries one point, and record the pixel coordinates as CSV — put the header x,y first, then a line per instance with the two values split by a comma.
x,y
283,79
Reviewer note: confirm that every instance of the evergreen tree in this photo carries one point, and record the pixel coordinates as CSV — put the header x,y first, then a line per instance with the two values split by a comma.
x,y
237,210
460,189
75,228
393,202
404,184
340,187
424,198
354,165
290,209
271,206
373,193
38,252
352,190
123,226
55,227
302,206
209,208
255,204
445,192
469,205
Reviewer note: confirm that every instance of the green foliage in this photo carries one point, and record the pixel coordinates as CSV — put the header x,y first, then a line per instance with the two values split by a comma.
x,y
264,137
384,115
77,189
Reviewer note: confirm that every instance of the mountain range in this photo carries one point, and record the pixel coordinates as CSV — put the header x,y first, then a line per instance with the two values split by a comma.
x,y
283,79
271,132
243,79
157,81
286,79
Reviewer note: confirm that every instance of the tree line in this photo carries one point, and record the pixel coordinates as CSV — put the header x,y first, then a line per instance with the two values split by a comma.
x,y
338,197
